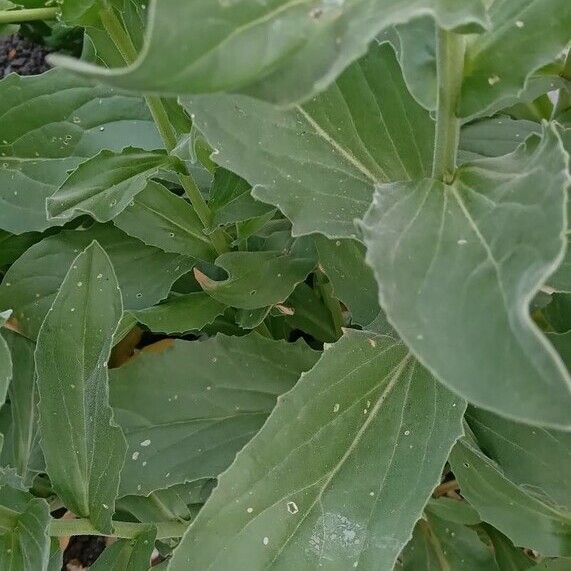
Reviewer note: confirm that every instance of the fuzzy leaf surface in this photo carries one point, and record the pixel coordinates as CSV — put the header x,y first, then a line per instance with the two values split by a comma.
x,y
319,162
31,284
83,447
49,125
457,267
213,396
340,472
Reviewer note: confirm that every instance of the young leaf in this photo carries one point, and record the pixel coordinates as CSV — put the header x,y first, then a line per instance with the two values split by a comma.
x,y
51,123
319,163
353,281
83,447
21,445
145,274
231,200
256,279
128,554
159,218
105,185
316,41
457,266
499,62
213,397
439,545
526,519
339,473
190,312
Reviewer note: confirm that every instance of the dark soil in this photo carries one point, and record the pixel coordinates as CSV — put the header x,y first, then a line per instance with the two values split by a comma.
x,y
22,56
82,551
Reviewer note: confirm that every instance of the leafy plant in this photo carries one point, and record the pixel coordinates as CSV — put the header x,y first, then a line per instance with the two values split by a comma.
x,y
288,287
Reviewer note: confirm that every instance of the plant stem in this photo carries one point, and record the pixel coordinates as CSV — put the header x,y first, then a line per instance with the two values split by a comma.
x,y
124,44
165,530
30,15
450,58
331,303
126,48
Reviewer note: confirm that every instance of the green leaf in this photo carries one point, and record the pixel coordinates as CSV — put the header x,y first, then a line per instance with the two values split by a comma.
x,y
26,546
128,554
12,247
51,123
353,281
475,252
527,455
212,397
339,473
104,185
145,274
83,447
560,281
256,279
447,509
554,565
236,47
508,557
499,62
160,218
231,201
180,314
494,137
439,545
319,163
21,445
524,518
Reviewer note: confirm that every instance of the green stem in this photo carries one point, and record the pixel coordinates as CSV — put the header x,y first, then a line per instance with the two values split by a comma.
x,y
165,530
30,15
331,303
450,57
126,48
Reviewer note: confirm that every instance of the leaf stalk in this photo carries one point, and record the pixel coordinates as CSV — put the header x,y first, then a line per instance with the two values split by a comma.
x,y
29,15
121,529
450,57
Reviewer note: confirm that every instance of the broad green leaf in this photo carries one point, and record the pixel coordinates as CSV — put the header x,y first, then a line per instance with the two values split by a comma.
x,y
251,318
340,472
524,36
145,274
256,279
523,517
319,163
104,185
21,445
280,50
128,554
26,545
558,312
560,281
553,565
457,266
5,360
83,447
160,218
197,403
353,281
439,545
508,557
190,312
51,123
532,457
231,200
